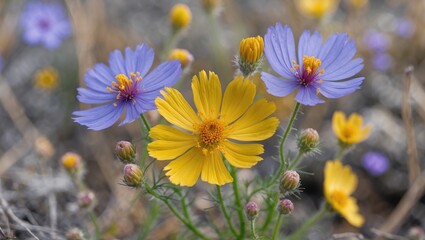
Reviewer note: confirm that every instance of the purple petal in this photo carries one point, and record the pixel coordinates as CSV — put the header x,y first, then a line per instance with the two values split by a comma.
x,y
116,61
308,96
130,61
102,73
91,96
165,75
144,59
340,89
347,71
99,118
131,114
276,86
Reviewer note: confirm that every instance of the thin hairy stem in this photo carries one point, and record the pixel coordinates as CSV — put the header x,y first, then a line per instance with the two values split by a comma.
x,y
224,210
238,203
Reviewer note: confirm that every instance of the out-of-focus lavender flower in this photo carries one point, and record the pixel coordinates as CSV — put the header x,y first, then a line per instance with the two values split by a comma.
x,y
382,61
404,28
376,41
1,63
375,163
44,23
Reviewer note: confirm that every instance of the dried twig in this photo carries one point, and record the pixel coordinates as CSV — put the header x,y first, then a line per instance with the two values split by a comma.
x,y
12,216
413,159
386,235
350,236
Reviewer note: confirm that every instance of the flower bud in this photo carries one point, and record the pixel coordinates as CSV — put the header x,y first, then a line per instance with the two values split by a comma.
x,y
182,55
250,55
317,8
71,162
416,233
308,140
285,206
180,16
74,234
289,181
211,6
358,4
86,199
125,152
133,175
251,210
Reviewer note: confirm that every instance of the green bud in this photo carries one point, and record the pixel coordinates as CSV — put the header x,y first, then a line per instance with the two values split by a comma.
x,y
125,152
289,181
133,175
308,140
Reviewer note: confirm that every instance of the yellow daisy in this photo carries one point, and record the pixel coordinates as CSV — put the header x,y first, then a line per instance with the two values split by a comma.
x,y
200,140
340,183
350,131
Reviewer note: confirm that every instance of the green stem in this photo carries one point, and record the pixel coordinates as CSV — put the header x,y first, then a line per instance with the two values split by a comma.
x,y
270,213
187,222
238,203
276,227
253,233
285,135
309,223
224,210
146,125
219,53
169,44
151,219
294,163
97,232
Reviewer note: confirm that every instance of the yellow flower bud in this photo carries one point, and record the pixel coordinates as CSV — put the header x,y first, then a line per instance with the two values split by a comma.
x,y
71,162
46,78
358,4
180,16
210,5
316,8
182,55
250,54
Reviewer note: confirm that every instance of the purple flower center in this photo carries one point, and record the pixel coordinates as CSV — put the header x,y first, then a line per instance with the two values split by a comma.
x,y
44,24
309,73
125,88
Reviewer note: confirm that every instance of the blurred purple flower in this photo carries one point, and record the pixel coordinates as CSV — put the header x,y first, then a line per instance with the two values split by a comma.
x,y
44,23
382,61
376,41
404,28
124,86
375,163
320,68
1,63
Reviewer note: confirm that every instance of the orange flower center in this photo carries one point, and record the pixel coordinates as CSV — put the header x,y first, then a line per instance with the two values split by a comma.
x,y
338,198
211,134
348,131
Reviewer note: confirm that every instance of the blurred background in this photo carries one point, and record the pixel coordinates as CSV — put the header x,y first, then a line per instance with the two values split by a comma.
x,y
40,74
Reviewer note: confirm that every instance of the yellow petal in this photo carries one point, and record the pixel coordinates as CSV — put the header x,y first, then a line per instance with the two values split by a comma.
x,y
256,113
355,120
257,132
170,142
185,170
238,96
351,213
338,123
339,178
214,171
176,109
242,155
207,94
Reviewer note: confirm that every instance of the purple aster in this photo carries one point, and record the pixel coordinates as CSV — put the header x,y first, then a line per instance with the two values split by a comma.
x,y
376,41
44,23
404,28
124,86
323,68
375,163
382,61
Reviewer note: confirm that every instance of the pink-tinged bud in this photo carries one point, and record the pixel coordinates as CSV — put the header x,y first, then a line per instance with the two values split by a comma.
x,y
133,175
75,234
289,181
285,206
251,210
86,199
308,140
416,233
125,152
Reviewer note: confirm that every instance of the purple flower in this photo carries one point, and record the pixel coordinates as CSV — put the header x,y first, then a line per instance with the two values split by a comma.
x,y
375,163
1,63
320,67
376,41
405,28
124,86
44,23
382,61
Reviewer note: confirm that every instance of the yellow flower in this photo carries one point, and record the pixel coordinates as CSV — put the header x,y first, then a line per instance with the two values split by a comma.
x,y
350,131
180,16
46,78
211,5
71,161
340,182
316,8
182,55
199,141
358,4
251,49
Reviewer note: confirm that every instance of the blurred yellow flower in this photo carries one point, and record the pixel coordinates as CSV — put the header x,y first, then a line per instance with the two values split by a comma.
x,y
180,16
46,78
316,8
251,49
340,182
210,5
184,56
222,123
350,131
358,4
71,161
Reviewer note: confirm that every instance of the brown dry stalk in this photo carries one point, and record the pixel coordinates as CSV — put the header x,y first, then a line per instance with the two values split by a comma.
x,y
412,153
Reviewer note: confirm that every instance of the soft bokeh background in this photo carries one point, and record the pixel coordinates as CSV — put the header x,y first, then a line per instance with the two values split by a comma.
x,y
36,128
